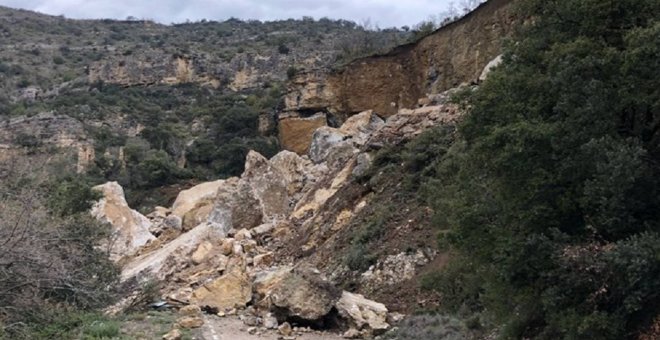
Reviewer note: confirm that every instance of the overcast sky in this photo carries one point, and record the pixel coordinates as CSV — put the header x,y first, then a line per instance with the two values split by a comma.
x,y
384,13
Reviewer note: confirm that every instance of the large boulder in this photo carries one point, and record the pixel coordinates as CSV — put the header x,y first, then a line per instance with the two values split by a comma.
x,y
269,186
130,228
324,140
231,290
337,146
363,314
293,168
168,260
300,292
296,132
199,195
361,126
236,205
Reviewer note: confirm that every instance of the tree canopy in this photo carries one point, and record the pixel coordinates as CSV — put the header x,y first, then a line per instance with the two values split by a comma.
x,y
551,195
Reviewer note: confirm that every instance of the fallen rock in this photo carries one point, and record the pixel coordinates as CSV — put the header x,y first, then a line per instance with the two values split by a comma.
x,y
264,260
227,246
202,252
233,289
197,215
293,168
188,199
191,310
269,321
302,293
324,140
263,229
269,187
362,164
130,228
243,234
394,269
190,322
363,313
174,334
182,295
489,67
407,124
295,133
285,329
352,333
159,262
361,126
235,205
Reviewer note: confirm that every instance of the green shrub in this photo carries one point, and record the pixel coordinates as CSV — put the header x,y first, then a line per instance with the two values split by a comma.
x,y
101,329
71,195
358,258
291,72
550,196
430,327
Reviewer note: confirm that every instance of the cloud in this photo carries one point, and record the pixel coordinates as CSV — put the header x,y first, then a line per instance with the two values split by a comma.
x,y
384,13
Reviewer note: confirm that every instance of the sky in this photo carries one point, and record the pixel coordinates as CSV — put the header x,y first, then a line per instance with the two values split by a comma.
x,y
383,13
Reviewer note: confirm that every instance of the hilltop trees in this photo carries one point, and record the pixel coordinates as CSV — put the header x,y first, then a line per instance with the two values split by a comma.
x,y
552,196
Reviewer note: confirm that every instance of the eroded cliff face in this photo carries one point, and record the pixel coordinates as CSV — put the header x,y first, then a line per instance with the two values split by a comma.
x,y
454,54
244,71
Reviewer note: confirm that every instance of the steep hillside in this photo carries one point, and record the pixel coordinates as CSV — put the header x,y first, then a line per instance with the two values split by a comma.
x,y
455,54
42,54
151,105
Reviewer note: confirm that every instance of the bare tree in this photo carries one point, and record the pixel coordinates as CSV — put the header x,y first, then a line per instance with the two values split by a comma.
x,y
45,260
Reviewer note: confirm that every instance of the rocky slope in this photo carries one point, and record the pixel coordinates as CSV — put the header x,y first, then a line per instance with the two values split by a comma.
x,y
454,54
270,245
42,54
102,82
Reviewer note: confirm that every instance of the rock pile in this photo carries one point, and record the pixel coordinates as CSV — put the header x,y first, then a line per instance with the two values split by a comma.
x,y
218,245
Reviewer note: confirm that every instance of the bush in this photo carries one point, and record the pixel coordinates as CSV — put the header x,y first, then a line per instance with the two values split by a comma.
x,y
56,262
71,195
358,258
430,327
551,194
283,49
291,72
156,169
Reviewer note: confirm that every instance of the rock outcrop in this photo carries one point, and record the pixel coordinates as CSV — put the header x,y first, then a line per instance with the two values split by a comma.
x,y
130,228
295,132
453,55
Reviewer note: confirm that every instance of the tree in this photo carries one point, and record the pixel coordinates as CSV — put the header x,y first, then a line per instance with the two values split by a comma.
x,y
51,257
552,196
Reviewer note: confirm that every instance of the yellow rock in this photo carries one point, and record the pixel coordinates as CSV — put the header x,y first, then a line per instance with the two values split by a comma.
x,y
190,322
233,289
202,252
296,132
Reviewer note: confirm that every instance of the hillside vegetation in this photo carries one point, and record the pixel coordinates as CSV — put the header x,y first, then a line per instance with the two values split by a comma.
x,y
166,104
550,195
